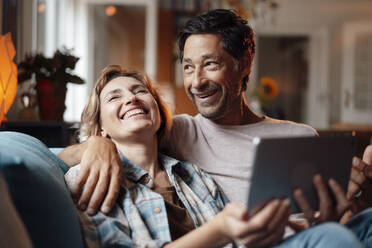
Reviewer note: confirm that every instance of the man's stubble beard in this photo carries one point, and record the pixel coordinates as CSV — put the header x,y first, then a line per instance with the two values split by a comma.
x,y
220,108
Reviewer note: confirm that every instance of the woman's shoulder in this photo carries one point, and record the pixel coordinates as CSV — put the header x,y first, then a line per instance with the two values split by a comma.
x,y
189,172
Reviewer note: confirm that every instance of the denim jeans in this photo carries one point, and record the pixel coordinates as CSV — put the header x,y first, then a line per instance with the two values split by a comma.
x,y
361,226
356,233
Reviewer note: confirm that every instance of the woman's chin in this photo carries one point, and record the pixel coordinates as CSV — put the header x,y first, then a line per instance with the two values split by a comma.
x,y
138,129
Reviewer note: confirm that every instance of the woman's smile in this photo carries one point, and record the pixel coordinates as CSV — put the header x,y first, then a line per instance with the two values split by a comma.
x,y
136,111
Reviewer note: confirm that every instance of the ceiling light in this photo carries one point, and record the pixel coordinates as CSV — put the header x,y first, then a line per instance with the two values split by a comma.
x,y
41,8
110,10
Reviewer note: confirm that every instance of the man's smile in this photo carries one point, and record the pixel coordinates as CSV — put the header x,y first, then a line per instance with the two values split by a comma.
x,y
207,97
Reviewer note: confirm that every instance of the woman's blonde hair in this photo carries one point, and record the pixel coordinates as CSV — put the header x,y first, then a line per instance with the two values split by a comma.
x,y
90,118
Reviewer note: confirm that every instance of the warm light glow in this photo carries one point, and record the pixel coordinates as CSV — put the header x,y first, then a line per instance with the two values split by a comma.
x,y
110,10
41,8
8,75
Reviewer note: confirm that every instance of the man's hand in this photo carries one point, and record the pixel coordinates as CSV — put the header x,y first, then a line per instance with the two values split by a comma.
x,y
360,184
264,228
100,174
327,210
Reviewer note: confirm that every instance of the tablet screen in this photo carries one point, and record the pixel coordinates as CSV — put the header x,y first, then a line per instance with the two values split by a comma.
x,y
282,164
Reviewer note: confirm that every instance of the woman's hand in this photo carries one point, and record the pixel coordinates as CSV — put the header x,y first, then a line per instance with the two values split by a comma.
x,y
100,174
327,210
265,228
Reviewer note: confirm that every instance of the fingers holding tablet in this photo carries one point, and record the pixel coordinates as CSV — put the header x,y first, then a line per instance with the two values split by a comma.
x,y
275,228
343,204
268,224
329,210
325,201
262,229
360,184
304,205
357,178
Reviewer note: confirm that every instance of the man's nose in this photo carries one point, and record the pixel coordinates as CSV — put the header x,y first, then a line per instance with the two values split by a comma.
x,y
198,79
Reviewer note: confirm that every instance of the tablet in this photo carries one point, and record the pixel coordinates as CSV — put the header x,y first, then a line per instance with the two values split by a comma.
x,y
282,164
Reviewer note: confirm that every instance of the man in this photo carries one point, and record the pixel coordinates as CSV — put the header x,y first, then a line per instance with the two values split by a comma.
x,y
216,51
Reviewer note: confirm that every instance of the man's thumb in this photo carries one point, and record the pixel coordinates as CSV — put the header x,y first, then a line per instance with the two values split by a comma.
x,y
367,156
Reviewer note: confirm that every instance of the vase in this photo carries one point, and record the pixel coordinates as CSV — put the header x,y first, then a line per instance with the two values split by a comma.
x,y
51,98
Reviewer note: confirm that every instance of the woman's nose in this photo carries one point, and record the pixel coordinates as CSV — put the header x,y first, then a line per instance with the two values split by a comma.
x,y
130,99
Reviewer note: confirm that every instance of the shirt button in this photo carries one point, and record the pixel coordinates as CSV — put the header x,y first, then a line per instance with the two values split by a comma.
x,y
157,210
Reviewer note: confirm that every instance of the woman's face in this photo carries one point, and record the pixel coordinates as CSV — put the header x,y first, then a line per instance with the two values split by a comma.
x,y
128,108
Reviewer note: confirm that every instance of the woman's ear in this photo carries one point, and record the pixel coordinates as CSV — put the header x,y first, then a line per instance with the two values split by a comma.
x,y
104,133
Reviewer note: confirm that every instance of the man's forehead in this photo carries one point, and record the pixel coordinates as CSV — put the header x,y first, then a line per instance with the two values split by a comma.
x,y
202,39
203,46
204,57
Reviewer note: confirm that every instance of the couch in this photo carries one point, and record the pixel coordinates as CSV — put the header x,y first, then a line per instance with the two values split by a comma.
x,y
34,178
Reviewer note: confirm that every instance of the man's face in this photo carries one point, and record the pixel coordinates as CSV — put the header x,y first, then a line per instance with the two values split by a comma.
x,y
212,78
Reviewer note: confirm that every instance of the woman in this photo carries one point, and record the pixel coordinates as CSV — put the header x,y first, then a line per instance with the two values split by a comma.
x,y
163,200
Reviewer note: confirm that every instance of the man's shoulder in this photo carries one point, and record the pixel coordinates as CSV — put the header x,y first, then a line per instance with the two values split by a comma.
x,y
185,121
286,127
183,132
184,117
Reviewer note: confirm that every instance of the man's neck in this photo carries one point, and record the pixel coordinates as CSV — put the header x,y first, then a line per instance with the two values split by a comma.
x,y
241,114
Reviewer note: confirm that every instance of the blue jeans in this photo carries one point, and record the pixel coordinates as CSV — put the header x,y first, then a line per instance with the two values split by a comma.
x,y
361,226
356,233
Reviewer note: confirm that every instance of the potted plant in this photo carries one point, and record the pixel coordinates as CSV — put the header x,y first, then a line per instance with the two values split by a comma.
x,y
52,76
260,98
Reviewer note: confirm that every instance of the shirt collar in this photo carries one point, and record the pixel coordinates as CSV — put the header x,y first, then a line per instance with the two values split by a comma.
x,y
135,173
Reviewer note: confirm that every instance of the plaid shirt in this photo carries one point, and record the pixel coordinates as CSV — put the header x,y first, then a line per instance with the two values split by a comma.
x,y
139,217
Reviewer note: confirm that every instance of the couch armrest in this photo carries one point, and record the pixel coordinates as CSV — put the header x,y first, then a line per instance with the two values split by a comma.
x,y
13,232
37,187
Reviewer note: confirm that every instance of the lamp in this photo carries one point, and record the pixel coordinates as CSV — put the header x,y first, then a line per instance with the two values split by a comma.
x,y
8,75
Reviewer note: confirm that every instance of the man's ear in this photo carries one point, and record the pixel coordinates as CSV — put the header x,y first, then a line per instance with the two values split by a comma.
x,y
245,64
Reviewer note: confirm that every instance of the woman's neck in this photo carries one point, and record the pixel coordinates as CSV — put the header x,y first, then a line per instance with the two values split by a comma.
x,y
143,153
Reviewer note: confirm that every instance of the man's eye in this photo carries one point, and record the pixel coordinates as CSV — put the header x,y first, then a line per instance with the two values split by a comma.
x,y
211,63
187,67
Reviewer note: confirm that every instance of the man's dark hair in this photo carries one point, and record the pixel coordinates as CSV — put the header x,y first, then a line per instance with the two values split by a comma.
x,y
237,36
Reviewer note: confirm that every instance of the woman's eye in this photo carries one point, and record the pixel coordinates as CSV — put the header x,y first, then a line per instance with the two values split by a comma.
x,y
141,91
112,98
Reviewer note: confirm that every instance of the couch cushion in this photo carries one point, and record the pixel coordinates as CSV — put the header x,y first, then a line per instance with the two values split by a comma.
x,y
36,185
15,233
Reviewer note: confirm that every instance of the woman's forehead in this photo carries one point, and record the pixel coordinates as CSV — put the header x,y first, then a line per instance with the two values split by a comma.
x,y
124,80
121,82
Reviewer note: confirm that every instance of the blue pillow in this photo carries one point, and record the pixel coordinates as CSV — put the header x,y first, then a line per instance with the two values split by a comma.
x,y
36,184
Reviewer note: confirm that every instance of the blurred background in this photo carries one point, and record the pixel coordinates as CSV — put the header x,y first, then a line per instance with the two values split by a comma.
x,y
313,62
